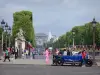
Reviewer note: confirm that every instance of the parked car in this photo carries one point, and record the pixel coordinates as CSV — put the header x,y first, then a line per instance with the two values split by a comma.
x,y
73,60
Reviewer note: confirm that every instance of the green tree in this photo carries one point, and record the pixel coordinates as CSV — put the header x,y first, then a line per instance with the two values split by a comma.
x,y
23,19
83,35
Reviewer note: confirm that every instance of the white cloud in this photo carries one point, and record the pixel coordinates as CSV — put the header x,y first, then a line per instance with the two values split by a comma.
x,y
53,15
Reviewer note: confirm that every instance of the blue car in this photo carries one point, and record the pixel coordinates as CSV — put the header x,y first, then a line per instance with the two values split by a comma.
x,y
73,60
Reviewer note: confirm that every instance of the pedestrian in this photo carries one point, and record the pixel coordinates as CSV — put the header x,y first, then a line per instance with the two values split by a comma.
x,y
47,54
33,55
57,51
27,52
6,55
22,55
16,53
68,53
84,57
65,52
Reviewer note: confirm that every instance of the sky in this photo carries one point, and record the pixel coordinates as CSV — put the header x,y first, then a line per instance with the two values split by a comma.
x,y
56,16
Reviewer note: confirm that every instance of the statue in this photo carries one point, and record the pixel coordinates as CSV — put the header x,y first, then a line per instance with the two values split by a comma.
x,y
20,33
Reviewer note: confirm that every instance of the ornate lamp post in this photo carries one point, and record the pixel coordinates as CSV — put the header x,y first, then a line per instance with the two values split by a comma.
x,y
6,29
73,38
9,32
2,26
82,40
94,24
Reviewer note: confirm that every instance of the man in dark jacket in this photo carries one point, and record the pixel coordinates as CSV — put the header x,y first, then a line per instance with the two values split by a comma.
x,y
69,53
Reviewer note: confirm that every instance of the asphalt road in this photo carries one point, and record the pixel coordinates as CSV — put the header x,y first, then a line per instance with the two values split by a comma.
x,y
47,70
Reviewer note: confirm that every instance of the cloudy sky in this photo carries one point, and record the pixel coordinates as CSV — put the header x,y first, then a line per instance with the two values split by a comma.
x,y
57,16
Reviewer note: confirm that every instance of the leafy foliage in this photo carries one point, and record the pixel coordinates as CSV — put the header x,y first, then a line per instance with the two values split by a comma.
x,y
83,36
23,19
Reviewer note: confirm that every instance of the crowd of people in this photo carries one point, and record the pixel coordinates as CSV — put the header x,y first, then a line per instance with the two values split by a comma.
x,y
25,54
64,52
14,53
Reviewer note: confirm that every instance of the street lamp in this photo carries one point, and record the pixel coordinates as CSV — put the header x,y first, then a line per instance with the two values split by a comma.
x,y
3,26
82,40
6,29
94,24
73,38
9,32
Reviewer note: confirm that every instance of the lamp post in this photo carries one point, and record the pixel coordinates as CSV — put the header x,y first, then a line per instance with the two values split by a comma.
x,y
73,38
6,29
94,24
9,31
82,40
3,27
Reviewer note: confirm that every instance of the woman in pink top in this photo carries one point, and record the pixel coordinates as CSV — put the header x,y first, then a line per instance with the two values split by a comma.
x,y
47,56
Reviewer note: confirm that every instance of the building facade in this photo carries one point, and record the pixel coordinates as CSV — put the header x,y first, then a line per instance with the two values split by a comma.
x,y
41,39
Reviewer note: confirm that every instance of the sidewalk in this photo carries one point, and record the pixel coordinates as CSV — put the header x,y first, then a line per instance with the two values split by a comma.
x,y
26,61
35,61
98,63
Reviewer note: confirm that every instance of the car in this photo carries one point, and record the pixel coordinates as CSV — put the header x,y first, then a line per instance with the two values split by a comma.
x,y
72,60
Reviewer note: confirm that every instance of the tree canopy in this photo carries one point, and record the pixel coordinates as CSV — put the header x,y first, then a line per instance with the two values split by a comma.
x,y
83,36
23,19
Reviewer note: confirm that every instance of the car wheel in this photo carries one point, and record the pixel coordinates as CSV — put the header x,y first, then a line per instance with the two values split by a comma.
x,y
89,63
59,62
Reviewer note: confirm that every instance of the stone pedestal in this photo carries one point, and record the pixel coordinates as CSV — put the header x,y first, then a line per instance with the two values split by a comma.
x,y
20,43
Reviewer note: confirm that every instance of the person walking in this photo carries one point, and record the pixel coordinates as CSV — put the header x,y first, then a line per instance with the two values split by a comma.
x,y
47,54
84,57
16,53
6,55
23,56
33,53
27,52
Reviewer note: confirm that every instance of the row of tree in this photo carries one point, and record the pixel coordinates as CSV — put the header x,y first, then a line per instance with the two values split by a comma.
x,y
83,36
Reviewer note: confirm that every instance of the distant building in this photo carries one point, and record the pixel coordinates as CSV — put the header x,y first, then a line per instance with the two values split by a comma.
x,y
41,38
